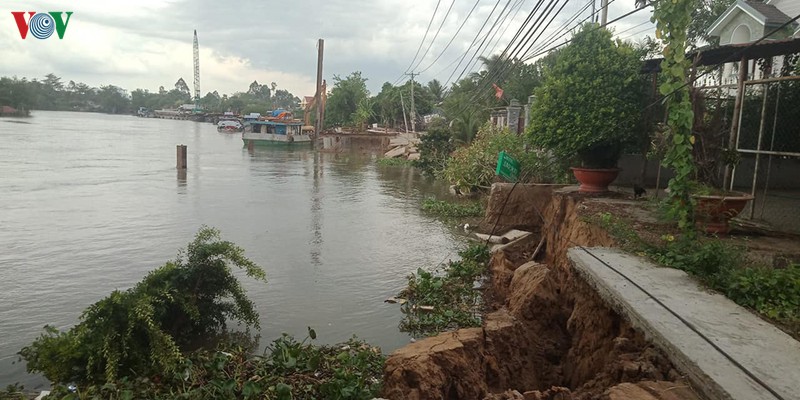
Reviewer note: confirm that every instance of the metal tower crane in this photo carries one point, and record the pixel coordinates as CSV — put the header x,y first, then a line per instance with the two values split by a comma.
x,y
196,73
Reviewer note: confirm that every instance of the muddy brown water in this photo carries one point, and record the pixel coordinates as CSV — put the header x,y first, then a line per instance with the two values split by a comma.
x,y
89,203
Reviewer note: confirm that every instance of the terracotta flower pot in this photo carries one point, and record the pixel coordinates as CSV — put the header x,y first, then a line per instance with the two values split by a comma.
x,y
594,180
712,212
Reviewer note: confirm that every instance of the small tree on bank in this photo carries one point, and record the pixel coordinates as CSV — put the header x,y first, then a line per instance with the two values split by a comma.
x,y
145,330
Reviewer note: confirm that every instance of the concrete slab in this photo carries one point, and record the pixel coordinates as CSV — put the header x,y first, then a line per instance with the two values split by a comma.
x,y
772,356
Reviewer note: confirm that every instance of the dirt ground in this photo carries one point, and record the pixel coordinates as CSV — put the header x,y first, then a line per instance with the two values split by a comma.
x,y
546,333
766,245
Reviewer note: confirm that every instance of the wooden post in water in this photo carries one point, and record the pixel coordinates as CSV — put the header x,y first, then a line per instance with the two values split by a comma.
x,y
319,95
181,157
250,145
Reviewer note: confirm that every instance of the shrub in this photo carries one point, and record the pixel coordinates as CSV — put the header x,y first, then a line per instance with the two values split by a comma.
x,y
445,299
590,103
288,370
434,148
452,210
473,166
145,330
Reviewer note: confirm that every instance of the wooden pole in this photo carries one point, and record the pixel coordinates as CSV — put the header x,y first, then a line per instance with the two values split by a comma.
x,y
737,113
318,97
181,155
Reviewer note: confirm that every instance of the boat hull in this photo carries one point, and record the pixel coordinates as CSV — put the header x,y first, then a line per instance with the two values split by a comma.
x,y
260,139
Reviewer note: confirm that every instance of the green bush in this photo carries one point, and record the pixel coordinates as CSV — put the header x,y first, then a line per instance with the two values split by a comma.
x,y
453,210
434,148
772,292
146,329
445,299
473,167
590,104
288,370
394,162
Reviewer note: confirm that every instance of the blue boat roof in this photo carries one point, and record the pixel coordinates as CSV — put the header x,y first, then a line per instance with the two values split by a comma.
x,y
276,123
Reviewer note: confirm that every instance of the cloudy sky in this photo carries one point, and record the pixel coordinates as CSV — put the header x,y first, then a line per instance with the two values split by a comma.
x,y
148,43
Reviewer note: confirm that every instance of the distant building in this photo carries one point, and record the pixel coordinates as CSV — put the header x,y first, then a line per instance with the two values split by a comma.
x,y
510,117
8,111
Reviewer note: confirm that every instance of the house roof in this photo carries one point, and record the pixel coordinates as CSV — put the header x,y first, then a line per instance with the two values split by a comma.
x,y
732,53
766,14
7,110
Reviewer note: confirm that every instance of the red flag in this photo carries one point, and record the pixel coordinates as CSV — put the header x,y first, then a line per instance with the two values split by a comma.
x,y
497,91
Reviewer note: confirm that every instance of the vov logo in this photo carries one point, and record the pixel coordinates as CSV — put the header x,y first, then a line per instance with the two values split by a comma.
x,y
41,25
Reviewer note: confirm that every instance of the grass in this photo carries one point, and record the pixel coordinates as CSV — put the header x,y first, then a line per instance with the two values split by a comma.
x,y
445,298
773,293
447,209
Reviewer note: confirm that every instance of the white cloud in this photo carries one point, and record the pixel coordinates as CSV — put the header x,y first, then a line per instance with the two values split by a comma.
x,y
148,43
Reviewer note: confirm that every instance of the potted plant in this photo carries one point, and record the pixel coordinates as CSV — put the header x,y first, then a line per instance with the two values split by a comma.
x,y
589,106
714,208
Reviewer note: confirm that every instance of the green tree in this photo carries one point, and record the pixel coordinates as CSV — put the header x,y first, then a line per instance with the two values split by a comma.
x,y
704,13
113,100
344,98
435,148
436,90
146,330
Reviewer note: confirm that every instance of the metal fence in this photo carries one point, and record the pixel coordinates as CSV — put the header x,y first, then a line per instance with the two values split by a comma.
x,y
762,117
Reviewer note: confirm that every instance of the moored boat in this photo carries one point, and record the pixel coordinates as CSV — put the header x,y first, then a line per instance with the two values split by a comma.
x,y
278,128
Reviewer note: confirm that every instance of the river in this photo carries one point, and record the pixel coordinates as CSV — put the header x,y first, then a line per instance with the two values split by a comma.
x,y
90,203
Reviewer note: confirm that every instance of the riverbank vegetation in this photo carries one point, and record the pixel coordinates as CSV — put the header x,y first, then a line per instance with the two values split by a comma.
x,y
168,336
445,298
447,209
51,93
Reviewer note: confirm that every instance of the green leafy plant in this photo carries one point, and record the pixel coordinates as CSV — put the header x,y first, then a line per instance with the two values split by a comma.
x,y
473,167
445,298
145,330
673,19
453,210
435,148
288,369
590,103
394,162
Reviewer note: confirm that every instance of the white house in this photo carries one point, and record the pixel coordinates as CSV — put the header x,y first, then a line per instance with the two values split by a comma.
x,y
748,21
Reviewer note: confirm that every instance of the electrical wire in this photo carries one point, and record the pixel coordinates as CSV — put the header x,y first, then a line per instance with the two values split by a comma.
x,y
452,38
425,36
473,41
435,36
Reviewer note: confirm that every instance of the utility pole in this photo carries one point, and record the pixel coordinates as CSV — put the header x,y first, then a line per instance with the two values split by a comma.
x,y
318,97
403,104
604,13
413,109
594,11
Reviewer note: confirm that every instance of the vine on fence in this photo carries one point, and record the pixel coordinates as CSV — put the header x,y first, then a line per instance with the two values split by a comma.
x,y
672,20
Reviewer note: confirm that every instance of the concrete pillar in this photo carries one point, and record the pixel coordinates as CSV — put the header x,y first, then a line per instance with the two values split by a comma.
x,y
531,99
512,116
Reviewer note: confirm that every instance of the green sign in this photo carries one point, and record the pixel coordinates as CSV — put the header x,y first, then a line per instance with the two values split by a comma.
x,y
507,167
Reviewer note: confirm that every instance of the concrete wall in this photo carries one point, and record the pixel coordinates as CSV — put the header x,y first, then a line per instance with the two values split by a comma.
x,y
784,172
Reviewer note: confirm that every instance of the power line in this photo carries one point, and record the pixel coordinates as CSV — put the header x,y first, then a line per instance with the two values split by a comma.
x,y
453,38
438,2
436,35
473,41
494,34
509,58
530,16
598,27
